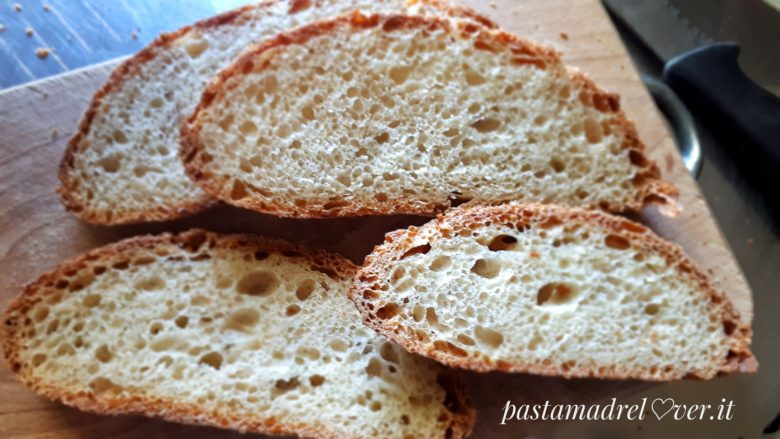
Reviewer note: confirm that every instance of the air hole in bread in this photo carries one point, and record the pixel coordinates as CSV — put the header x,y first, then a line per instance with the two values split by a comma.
x,y
466,340
91,300
441,262
382,138
729,327
339,345
381,197
316,380
196,48
374,368
213,359
41,314
593,132
486,125
305,289
388,311
473,78
399,74
307,113
150,283
447,347
617,242
103,354
38,359
181,321
488,336
258,283
101,385
119,136
557,165
487,268
239,190
110,163
555,293
420,249
502,243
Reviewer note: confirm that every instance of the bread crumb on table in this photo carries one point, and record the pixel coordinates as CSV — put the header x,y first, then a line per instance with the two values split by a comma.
x,y
2,28
46,7
17,7
564,36
29,32
42,52
54,133
134,35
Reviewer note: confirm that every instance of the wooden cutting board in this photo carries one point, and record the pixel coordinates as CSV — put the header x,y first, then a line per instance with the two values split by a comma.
x,y
37,119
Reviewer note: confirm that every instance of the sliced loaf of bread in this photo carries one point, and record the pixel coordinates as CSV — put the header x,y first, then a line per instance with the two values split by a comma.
x,y
550,290
232,331
372,114
122,165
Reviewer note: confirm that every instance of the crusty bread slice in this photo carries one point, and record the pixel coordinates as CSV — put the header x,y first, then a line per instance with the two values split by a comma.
x,y
399,114
122,165
232,331
550,290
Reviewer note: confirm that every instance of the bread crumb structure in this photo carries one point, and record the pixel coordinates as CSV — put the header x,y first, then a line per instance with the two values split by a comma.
x,y
550,290
232,331
122,166
408,114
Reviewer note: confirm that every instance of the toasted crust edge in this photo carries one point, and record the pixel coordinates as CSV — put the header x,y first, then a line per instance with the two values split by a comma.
x,y
650,189
372,276
192,241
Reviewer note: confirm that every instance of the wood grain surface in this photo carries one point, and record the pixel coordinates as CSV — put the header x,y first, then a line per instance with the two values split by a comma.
x,y
36,233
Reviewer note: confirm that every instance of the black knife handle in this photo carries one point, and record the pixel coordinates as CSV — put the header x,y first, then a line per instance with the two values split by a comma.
x,y
710,79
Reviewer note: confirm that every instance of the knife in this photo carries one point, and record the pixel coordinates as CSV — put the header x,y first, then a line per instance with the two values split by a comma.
x,y
706,75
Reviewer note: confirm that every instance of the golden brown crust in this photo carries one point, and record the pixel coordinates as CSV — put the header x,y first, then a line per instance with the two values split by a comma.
x,y
371,283
649,188
194,242
129,68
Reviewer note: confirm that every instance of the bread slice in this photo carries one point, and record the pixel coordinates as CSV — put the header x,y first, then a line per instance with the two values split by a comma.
x,y
550,290
122,165
398,114
231,331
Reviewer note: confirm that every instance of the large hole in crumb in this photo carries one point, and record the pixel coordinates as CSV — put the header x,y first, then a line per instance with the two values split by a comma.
x,y
593,131
440,263
503,242
617,242
305,289
110,163
420,249
388,311
243,319
488,336
487,268
258,283
486,125
213,359
400,74
196,48
103,354
555,293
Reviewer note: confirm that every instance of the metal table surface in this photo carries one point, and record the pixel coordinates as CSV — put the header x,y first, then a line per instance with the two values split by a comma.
x,y
83,32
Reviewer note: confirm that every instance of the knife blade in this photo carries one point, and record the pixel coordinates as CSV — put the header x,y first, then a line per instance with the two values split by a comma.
x,y
708,78
678,35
